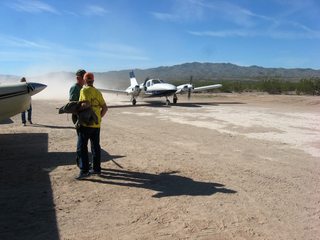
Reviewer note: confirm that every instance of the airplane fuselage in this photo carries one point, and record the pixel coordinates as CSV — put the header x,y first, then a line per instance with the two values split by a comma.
x,y
158,90
16,98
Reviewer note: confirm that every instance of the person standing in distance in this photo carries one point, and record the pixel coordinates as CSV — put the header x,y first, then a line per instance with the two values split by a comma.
x,y
94,99
29,110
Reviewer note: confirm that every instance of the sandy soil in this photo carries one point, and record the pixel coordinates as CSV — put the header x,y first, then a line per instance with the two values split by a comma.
x,y
217,167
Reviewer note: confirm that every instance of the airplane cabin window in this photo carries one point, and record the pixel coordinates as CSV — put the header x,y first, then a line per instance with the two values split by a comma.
x,y
155,81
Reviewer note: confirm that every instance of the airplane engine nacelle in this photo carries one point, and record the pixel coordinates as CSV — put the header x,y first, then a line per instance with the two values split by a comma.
x,y
135,90
184,88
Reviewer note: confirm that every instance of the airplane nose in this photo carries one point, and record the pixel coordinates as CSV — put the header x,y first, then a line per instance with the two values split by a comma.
x,y
35,88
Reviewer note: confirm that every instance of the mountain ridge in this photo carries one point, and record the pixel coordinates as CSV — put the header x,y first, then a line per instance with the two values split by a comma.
x,y
199,71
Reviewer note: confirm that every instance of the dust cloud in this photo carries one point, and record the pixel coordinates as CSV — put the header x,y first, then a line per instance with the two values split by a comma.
x,y
59,83
7,79
58,86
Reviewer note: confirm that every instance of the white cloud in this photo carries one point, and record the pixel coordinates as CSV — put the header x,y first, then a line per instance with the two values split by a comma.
x,y
230,12
32,6
233,13
227,33
252,24
309,8
10,41
164,16
273,33
95,10
199,10
182,11
247,23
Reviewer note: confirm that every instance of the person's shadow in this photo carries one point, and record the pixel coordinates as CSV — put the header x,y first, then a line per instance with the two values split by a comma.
x,y
166,184
27,203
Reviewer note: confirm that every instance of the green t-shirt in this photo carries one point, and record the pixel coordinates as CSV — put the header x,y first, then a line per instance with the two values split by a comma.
x,y
74,92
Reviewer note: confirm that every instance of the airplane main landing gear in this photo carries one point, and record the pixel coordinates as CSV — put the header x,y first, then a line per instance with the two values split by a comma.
x,y
175,99
167,101
134,101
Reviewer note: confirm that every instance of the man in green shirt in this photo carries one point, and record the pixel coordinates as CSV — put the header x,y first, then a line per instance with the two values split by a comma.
x,y
74,94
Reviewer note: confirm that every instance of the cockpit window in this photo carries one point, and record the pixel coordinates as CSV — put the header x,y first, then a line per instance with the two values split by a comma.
x,y
156,81
153,81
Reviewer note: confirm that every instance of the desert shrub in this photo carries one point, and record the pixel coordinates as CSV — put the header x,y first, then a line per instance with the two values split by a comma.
x,y
309,86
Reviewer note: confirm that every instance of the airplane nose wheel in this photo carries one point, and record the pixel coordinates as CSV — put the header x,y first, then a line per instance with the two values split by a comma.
x,y
134,101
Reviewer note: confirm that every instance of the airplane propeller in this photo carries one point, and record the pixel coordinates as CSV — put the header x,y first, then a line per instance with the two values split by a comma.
x,y
190,87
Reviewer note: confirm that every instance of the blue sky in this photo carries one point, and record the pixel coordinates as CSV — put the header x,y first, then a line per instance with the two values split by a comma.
x,y
39,36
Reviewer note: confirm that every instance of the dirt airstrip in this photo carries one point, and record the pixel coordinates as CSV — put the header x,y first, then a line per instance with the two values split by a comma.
x,y
216,167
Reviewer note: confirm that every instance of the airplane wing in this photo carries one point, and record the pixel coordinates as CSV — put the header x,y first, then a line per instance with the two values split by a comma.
x,y
112,90
205,88
15,98
188,88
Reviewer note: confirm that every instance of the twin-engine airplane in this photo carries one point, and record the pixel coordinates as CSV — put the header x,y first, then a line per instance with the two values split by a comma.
x,y
15,98
158,88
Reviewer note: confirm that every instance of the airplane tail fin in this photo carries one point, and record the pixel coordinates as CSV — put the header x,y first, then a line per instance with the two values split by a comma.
x,y
133,80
